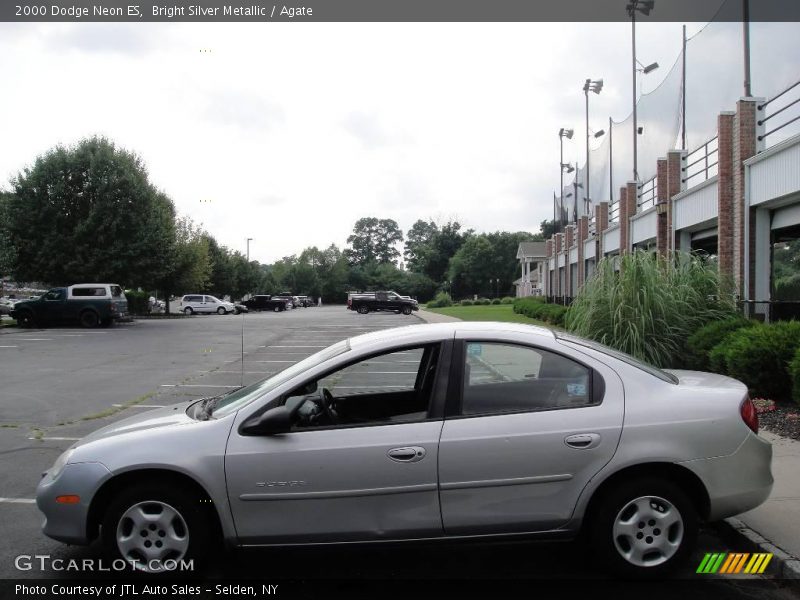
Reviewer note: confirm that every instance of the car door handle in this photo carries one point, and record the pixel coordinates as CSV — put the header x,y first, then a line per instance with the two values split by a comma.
x,y
407,454
583,441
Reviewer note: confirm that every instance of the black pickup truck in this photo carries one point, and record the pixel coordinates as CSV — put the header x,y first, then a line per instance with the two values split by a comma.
x,y
386,301
264,302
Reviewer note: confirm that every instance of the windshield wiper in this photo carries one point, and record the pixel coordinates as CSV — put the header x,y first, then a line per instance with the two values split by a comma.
x,y
207,405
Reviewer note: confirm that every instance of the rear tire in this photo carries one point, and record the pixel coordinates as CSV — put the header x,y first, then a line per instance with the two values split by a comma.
x,y
644,528
406,310
146,522
188,310
277,309
26,319
89,319
362,310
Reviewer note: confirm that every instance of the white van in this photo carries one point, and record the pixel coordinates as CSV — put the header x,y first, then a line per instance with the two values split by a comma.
x,y
199,303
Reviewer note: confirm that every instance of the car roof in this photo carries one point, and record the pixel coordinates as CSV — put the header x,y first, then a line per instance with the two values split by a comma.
x,y
87,284
433,331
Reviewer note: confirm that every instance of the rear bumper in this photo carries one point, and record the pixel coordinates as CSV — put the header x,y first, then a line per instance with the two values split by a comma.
x,y
738,482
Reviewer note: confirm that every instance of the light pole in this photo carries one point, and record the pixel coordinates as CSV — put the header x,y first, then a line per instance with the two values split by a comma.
x,y
595,86
248,248
562,133
644,7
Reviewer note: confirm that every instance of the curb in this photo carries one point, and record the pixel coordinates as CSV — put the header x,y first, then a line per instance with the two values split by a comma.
x,y
736,532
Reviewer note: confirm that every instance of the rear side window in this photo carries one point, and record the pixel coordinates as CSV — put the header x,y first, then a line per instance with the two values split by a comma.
x,y
116,291
501,378
83,292
193,299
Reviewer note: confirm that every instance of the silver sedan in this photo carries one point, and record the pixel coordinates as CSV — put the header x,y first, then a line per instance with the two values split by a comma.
x,y
426,432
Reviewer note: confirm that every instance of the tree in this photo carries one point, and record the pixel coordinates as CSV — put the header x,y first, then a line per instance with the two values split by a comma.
x,y
482,260
7,253
373,240
418,244
547,229
89,213
189,261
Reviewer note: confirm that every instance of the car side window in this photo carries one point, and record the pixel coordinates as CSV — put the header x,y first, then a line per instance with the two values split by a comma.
x,y
389,388
54,295
501,378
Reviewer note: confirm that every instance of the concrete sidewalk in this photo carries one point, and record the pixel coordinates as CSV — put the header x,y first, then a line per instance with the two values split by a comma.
x,y
432,317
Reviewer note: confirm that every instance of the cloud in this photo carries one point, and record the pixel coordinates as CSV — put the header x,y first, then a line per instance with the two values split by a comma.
x,y
369,130
246,111
104,39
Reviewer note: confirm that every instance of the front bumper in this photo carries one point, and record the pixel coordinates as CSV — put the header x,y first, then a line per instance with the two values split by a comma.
x,y
738,482
68,523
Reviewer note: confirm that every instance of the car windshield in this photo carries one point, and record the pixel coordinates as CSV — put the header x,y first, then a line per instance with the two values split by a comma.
x,y
626,358
233,402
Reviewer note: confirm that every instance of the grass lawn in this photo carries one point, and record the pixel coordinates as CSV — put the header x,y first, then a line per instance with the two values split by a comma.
x,y
493,312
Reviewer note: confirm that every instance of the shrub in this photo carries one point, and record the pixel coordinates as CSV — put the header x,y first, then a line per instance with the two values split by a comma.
x,y
507,300
760,357
650,306
794,373
496,301
441,300
466,303
702,342
137,302
483,302
521,303
537,308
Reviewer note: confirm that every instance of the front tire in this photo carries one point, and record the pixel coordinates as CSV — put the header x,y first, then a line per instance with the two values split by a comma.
x,y
645,528
221,311
188,310
406,310
148,526
277,309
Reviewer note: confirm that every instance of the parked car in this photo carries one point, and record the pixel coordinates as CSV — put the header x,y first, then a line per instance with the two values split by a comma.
x,y
265,302
239,308
289,299
7,305
90,304
482,429
198,303
387,301
304,301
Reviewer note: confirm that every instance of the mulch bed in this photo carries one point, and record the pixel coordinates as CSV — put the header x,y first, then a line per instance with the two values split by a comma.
x,y
782,418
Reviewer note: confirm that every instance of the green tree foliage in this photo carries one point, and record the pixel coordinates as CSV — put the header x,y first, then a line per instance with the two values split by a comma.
x,y
7,252
188,260
484,258
89,213
547,229
373,240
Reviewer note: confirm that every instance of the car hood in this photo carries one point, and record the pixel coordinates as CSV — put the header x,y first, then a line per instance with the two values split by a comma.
x,y
702,379
168,416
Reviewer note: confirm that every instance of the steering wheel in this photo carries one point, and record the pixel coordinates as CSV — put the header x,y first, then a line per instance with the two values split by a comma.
x,y
326,401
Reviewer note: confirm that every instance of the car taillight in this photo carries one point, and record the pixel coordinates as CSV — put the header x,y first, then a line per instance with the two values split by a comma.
x,y
113,307
749,414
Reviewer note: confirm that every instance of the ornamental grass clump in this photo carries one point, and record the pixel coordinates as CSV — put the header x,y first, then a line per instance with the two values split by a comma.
x,y
648,306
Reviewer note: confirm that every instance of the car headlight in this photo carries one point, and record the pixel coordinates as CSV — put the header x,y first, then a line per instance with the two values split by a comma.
x,y
60,463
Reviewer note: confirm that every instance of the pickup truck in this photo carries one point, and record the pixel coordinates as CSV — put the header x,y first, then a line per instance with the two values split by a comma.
x,y
90,304
264,302
388,301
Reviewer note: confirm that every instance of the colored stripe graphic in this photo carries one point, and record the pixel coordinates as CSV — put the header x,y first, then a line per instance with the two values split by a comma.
x,y
734,563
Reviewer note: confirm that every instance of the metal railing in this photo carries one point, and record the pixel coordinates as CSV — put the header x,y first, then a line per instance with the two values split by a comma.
x,y
647,195
700,162
613,212
763,117
771,310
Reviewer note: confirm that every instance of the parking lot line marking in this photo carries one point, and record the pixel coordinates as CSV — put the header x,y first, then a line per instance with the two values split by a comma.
x,y
37,339
245,372
202,385
8,346
273,361
296,346
18,500
56,439
139,406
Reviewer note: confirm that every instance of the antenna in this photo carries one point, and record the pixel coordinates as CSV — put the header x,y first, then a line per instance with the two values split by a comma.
x,y
241,380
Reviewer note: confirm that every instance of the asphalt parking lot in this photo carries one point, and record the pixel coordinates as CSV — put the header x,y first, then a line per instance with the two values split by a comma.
x,y
60,384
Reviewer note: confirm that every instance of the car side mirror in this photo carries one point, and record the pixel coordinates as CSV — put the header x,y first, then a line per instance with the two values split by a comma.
x,y
275,420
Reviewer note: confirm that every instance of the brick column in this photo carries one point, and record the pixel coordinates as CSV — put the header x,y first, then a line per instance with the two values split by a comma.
x,y
674,186
583,233
626,212
559,244
744,146
662,230
600,225
548,252
725,204
569,238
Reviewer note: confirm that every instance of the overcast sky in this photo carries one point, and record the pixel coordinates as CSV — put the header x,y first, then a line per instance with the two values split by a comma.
x,y
291,132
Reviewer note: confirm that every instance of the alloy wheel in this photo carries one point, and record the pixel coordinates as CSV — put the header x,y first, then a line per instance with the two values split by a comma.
x,y
648,531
